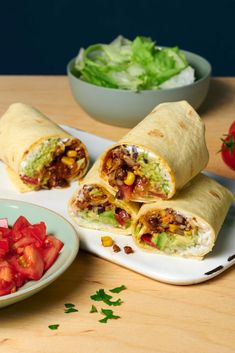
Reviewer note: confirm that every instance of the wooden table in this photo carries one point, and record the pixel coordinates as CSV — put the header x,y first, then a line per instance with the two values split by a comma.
x,y
155,317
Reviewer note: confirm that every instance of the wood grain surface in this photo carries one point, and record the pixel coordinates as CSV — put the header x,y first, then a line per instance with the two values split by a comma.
x,y
155,317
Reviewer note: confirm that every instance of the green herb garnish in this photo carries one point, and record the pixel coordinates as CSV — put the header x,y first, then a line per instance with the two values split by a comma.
x,y
108,315
70,310
118,289
93,309
69,305
53,327
102,296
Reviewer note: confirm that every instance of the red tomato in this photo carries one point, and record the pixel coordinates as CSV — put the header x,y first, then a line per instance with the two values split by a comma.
x,y
228,150
122,217
7,281
146,238
232,128
51,250
4,246
30,264
18,226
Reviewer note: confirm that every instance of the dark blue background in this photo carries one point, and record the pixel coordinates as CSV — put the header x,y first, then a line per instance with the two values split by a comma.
x,y
40,37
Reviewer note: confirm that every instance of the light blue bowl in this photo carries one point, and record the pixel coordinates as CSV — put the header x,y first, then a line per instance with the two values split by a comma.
x,y
126,108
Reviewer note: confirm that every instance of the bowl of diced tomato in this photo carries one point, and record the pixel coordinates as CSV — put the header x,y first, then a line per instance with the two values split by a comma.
x,y
36,246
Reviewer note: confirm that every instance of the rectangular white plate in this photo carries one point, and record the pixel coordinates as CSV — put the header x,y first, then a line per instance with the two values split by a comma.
x,y
160,267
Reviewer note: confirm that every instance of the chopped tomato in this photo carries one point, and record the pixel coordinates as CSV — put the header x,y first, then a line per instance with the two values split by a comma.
x,y
7,282
125,191
26,252
30,264
147,238
18,226
30,180
122,217
50,252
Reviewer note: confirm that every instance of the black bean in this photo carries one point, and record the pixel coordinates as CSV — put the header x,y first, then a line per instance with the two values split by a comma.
x,y
153,222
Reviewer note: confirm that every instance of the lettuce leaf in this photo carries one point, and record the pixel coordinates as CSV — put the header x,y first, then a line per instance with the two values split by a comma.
x,y
133,65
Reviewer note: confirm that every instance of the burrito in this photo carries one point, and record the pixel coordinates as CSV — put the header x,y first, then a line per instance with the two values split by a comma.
x,y
186,225
39,154
157,157
93,206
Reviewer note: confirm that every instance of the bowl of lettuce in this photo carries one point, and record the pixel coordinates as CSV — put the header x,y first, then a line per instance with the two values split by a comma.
x,y
121,82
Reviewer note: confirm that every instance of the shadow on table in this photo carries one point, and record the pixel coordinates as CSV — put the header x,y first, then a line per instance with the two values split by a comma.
x,y
219,95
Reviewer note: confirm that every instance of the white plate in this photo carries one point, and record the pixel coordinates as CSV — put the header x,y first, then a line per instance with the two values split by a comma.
x,y
160,267
57,226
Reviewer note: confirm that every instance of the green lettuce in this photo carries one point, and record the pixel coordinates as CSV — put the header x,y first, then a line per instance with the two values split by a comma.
x,y
133,65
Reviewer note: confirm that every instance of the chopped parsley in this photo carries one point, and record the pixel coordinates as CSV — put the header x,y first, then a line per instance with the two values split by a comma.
x,y
118,289
102,296
108,315
69,305
70,310
53,327
93,309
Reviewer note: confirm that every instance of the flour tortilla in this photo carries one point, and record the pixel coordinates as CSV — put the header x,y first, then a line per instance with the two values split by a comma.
x,y
92,178
175,133
202,198
22,128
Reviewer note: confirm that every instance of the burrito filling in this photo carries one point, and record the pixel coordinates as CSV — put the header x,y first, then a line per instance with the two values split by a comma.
x,y
172,233
136,174
94,205
53,163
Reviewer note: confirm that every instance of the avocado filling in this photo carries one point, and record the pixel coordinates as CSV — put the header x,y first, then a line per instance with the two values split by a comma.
x,y
93,204
53,163
168,231
136,174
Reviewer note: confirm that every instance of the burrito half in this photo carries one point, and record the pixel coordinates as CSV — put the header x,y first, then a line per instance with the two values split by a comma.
x,y
93,206
159,156
186,225
38,153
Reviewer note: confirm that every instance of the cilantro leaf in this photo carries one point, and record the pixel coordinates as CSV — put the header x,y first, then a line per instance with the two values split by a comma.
x,y
108,315
93,309
69,305
102,296
53,327
70,310
118,289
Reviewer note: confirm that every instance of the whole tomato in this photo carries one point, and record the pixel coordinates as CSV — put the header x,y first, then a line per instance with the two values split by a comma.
x,y
228,149
232,128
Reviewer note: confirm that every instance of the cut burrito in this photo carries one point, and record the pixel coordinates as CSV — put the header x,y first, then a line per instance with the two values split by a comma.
x,y
38,152
186,225
159,156
93,206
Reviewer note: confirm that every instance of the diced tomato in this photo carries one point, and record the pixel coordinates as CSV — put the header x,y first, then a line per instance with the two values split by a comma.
x,y
51,250
19,245
147,238
126,191
36,230
7,282
29,180
122,217
4,246
3,223
18,226
30,264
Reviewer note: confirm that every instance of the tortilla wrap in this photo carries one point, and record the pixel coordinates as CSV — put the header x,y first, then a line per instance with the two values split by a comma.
x,y
23,131
172,138
86,219
203,203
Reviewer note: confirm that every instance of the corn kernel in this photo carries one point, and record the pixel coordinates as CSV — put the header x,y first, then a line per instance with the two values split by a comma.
x,y
72,153
130,178
106,241
173,227
67,160
188,232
